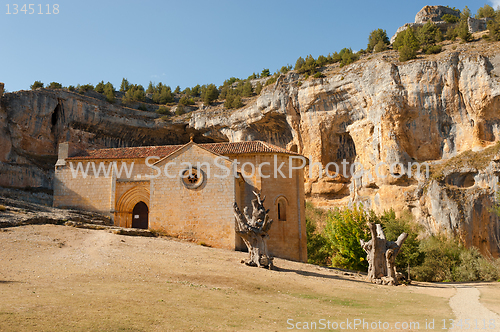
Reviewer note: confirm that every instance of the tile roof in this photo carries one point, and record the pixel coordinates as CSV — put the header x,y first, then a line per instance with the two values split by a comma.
x,y
165,150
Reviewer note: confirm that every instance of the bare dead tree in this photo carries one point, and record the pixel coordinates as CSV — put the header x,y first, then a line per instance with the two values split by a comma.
x,y
381,256
254,232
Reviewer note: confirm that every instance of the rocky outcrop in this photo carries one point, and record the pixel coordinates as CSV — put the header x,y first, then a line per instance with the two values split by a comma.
x,y
438,110
434,14
477,25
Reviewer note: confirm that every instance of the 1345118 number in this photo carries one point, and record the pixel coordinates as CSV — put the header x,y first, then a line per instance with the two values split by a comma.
x,y
32,9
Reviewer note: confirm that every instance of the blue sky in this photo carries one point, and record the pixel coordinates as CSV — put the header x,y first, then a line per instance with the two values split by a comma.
x,y
184,42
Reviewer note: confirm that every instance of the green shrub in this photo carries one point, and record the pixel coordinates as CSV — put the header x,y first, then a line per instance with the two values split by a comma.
x,y
347,57
407,53
85,88
233,101
185,101
494,27
380,47
180,110
285,69
142,107
433,49
272,80
164,110
258,88
71,88
265,72
451,33
441,255
36,85
450,18
319,75
344,228
318,251
54,85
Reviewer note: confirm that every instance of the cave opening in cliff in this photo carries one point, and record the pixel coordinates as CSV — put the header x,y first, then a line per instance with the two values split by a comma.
x,y
55,116
346,149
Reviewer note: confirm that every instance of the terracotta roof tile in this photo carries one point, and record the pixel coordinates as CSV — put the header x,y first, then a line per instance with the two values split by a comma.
x,y
165,150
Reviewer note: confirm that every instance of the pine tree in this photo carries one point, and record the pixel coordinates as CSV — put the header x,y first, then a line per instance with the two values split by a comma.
x,y
209,93
258,88
151,88
376,37
247,89
99,87
36,85
125,85
299,63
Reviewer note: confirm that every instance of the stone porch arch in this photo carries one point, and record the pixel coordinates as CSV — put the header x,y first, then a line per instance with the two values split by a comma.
x,y
126,203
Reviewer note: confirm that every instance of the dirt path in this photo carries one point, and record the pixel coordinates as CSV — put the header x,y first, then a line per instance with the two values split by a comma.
x,y
470,313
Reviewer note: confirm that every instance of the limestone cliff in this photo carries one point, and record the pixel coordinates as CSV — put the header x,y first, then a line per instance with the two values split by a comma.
x,y
435,109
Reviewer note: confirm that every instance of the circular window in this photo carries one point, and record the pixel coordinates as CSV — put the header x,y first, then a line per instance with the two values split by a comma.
x,y
193,178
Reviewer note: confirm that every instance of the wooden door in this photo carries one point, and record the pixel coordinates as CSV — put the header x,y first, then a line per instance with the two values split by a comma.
x,y
140,216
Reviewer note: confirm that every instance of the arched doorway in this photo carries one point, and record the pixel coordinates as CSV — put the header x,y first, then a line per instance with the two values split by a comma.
x,y
140,216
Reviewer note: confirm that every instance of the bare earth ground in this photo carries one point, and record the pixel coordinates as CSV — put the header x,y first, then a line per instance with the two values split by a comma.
x,y
58,278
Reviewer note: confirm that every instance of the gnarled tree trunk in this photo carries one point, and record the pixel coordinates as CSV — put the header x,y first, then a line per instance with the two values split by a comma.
x,y
381,255
253,231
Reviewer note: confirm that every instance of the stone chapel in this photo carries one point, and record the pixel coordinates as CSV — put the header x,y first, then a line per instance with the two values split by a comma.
x,y
188,191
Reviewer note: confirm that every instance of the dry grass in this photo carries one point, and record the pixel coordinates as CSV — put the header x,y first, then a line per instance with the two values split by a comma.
x,y
2,208
468,159
98,281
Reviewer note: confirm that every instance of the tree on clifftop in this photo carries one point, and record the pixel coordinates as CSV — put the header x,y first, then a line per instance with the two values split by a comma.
x,y
209,93
485,12
36,85
377,38
125,85
407,45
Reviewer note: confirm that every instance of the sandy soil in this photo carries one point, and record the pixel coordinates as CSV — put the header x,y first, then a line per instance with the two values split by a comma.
x,y
58,278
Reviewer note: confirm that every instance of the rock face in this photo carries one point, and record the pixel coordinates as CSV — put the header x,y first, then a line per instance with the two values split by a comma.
x,y
477,25
378,111
32,123
443,110
434,14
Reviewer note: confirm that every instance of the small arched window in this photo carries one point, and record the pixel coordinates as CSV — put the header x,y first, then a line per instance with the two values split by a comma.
x,y
282,210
